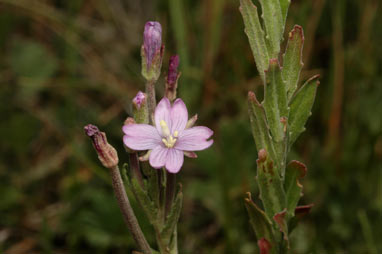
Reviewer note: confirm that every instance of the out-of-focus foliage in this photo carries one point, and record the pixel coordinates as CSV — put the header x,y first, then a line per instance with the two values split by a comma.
x,y
68,63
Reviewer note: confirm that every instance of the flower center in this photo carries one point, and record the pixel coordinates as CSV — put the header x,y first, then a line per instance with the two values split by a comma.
x,y
168,140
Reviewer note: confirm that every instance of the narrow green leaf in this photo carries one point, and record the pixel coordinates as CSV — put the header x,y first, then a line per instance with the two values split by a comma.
x,y
281,220
259,221
284,9
273,22
260,129
255,34
276,109
293,189
271,190
300,108
172,218
275,102
140,194
292,61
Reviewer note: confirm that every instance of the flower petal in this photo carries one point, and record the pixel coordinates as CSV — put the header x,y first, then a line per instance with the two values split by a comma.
x,y
194,139
162,112
174,160
141,136
179,116
158,156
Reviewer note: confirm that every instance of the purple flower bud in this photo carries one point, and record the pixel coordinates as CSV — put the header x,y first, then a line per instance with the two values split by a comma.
x,y
106,153
139,99
173,70
152,40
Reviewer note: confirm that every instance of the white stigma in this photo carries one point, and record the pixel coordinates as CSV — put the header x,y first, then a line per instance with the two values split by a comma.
x,y
169,140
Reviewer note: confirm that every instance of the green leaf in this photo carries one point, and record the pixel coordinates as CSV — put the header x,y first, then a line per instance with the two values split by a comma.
x,y
284,9
259,126
141,196
271,190
293,189
259,220
255,34
273,22
172,218
276,108
300,108
281,220
292,63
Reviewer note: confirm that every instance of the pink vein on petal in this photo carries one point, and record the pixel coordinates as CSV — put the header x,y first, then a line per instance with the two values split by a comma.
x,y
158,156
141,136
179,116
162,112
174,160
194,139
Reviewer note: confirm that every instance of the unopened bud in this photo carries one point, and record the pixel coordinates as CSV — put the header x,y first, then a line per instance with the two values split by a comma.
x,y
152,50
140,108
264,246
152,40
106,153
172,78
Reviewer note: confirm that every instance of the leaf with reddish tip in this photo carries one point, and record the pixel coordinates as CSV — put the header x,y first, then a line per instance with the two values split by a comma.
x,y
271,191
276,108
259,125
292,61
300,108
259,220
299,212
281,220
274,25
264,246
255,35
293,189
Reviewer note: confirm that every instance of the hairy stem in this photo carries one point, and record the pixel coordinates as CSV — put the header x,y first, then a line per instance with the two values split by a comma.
x,y
127,211
151,102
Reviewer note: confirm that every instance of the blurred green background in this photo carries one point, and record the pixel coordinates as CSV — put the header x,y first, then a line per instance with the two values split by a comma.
x,y
66,63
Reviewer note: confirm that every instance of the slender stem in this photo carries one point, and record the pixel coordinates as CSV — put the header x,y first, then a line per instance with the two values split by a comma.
x,y
127,211
170,192
151,102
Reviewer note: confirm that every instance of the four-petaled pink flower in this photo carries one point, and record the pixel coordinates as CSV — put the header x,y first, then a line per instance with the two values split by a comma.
x,y
170,138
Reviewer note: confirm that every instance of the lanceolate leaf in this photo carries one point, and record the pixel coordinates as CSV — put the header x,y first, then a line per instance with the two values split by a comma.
x,y
172,218
275,102
293,189
292,61
276,108
259,220
284,9
274,24
255,35
281,220
271,190
260,129
300,108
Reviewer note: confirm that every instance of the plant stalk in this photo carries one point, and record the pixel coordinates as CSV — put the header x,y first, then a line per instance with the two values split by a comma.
x,y
127,211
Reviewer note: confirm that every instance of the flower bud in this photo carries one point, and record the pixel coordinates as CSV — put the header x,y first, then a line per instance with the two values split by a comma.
x,y
172,78
106,153
140,108
152,50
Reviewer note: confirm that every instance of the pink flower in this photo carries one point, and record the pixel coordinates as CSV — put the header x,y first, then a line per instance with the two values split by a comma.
x,y
169,138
